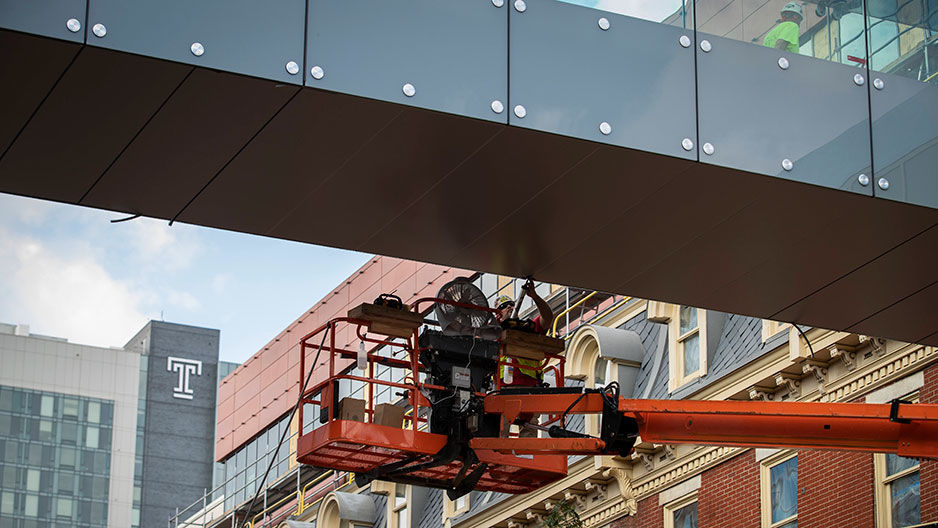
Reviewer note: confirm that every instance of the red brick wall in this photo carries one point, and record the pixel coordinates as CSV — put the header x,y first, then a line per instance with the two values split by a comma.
x,y
929,473
729,494
835,488
650,515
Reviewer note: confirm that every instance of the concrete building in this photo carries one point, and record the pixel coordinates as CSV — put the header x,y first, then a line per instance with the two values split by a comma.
x,y
97,437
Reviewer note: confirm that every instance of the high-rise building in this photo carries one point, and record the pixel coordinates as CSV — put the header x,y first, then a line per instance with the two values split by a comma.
x,y
105,437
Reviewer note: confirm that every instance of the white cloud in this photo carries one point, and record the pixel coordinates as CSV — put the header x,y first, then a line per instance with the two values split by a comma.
x,y
162,246
69,296
184,300
220,282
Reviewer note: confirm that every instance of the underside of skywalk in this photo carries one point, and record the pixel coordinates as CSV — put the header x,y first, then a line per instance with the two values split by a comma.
x,y
584,147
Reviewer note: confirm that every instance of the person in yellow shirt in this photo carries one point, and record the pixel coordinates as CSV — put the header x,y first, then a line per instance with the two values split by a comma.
x,y
786,35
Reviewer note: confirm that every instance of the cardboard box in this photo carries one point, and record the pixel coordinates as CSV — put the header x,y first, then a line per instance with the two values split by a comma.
x,y
390,415
352,409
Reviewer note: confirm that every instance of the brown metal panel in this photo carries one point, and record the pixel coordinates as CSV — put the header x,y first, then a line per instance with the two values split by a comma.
x,y
544,231
278,171
97,107
837,244
735,245
686,207
388,174
873,287
912,319
30,67
509,171
203,125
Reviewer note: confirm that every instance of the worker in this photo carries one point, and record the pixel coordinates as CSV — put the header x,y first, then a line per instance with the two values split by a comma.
x,y
787,34
527,373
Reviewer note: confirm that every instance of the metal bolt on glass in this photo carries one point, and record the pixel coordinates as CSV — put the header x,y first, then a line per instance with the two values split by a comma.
x,y
858,79
520,111
409,90
317,72
603,23
197,49
878,83
498,3
605,128
685,41
99,30
520,6
687,144
883,183
783,63
863,179
705,46
497,106
73,25
292,68
708,149
787,164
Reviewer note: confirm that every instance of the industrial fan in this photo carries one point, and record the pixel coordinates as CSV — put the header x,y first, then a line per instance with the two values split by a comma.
x,y
461,320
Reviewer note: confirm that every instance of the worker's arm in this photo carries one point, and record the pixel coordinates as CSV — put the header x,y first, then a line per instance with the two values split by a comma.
x,y
547,315
781,44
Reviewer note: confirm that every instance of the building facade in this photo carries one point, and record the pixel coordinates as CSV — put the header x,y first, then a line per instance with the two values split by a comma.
x,y
89,434
684,352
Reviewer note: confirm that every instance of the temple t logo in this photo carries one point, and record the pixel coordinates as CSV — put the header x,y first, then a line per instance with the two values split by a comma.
x,y
185,368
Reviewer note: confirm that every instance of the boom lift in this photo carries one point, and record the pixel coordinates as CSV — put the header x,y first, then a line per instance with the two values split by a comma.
x,y
456,435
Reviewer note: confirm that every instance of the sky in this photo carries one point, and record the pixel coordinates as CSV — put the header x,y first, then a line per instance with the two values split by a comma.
x,y
656,10
67,271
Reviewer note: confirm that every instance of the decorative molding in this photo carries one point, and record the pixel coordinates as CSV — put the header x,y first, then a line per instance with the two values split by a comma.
x,y
847,357
761,393
576,497
693,463
659,312
625,488
670,451
878,344
533,516
647,460
819,369
905,360
791,382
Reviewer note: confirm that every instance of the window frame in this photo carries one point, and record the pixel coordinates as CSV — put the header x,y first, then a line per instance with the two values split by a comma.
x,y
765,488
882,500
676,341
394,508
672,507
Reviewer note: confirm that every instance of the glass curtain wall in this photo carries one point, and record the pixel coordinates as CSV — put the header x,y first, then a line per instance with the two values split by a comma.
x,y
56,459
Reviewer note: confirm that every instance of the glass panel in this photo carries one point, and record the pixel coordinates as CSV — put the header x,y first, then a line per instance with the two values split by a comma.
x,y
402,518
777,89
904,98
32,480
608,91
48,405
906,501
896,463
599,372
400,495
94,412
671,12
688,319
70,407
691,354
91,437
783,480
32,506
686,517
63,507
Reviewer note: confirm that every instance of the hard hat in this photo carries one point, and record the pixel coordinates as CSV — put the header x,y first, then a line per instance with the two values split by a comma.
x,y
793,7
503,301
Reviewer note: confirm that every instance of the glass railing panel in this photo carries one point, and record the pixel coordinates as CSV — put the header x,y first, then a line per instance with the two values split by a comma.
x,y
615,72
446,56
903,39
782,90
678,13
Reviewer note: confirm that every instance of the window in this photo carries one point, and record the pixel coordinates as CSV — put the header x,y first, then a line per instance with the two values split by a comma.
x,y
898,489
779,480
687,339
399,517
601,372
681,513
456,507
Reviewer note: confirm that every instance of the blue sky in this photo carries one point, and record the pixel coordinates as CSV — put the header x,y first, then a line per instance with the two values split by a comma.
x,y
67,271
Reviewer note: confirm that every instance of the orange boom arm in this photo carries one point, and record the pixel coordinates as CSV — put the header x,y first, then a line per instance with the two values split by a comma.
x,y
905,429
